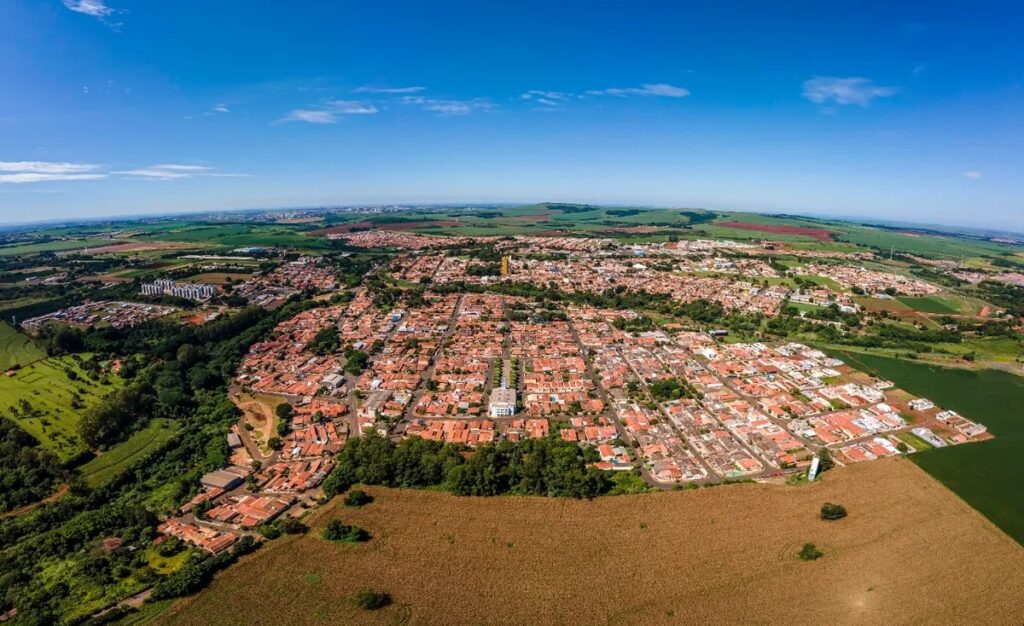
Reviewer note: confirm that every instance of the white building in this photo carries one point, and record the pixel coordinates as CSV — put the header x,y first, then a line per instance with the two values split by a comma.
x,y
503,402
189,291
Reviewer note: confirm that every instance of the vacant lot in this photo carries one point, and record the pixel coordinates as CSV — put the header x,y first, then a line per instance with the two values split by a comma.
x,y
16,348
910,551
48,405
258,412
219,278
119,458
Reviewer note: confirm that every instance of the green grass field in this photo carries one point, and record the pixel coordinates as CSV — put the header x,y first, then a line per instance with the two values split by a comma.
x,y
932,304
16,348
119,458
986,475
52,246
50,395
166,564
915,442
222,236
823,281
925,245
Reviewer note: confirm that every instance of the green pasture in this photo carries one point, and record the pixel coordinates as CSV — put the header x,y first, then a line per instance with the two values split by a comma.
x,y
42,400
120,457
16,348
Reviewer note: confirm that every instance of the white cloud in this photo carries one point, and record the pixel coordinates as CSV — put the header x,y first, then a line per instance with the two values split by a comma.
x,y
167,171
220,108
18,172
328,113
546,98
547,95
973,175
46,171
31,177
851,90
46,167
95,8
652,89
450,107
391,90
351,107
310,116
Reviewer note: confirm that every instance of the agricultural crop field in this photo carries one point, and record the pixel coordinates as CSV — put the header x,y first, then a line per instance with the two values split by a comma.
x,y
914,243
119,458
16,348
40,398
51,246
218,236
932,304
986,475
642,559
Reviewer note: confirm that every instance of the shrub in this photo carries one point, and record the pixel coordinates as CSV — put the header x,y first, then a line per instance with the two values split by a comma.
x,y
810,552
291,526
336,531
269,531
357,498
831,511
372,600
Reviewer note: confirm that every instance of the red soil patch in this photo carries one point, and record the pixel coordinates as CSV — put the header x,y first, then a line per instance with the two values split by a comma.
x,y
782,229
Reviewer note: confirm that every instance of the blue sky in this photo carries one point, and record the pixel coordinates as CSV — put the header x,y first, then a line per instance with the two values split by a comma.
x,y
878,109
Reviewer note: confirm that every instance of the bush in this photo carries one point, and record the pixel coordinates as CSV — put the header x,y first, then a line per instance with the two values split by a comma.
x,y
831,511
810,552
358,498
372,600
336,531
170,547
269,531
291,526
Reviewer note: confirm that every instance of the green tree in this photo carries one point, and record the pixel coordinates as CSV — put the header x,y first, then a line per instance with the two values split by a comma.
x,y
809,552
372,600
831,511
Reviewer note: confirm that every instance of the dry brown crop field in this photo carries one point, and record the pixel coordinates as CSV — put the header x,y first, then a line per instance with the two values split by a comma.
x,y
909,552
